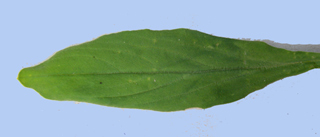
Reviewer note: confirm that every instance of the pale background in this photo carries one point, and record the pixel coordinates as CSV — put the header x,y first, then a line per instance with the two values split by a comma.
x,y
31,31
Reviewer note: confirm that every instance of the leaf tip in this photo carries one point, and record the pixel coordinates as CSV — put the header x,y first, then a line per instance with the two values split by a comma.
x,y
20,77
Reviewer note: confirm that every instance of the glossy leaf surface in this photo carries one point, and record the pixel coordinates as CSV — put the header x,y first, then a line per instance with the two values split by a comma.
x,y
166,70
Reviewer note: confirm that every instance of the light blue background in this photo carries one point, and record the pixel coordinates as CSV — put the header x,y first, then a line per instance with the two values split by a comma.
x,y
31,31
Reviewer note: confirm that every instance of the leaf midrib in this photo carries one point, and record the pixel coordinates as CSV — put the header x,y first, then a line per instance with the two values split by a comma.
x,y
181,72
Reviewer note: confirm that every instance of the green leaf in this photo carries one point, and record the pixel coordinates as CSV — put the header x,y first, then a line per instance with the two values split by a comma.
x,y
166,70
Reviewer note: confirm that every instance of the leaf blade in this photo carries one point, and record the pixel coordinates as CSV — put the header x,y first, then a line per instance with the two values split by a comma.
x,y
166,70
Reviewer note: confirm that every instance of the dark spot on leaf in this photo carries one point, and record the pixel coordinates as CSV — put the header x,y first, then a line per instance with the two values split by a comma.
x,y
94,57
100,82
